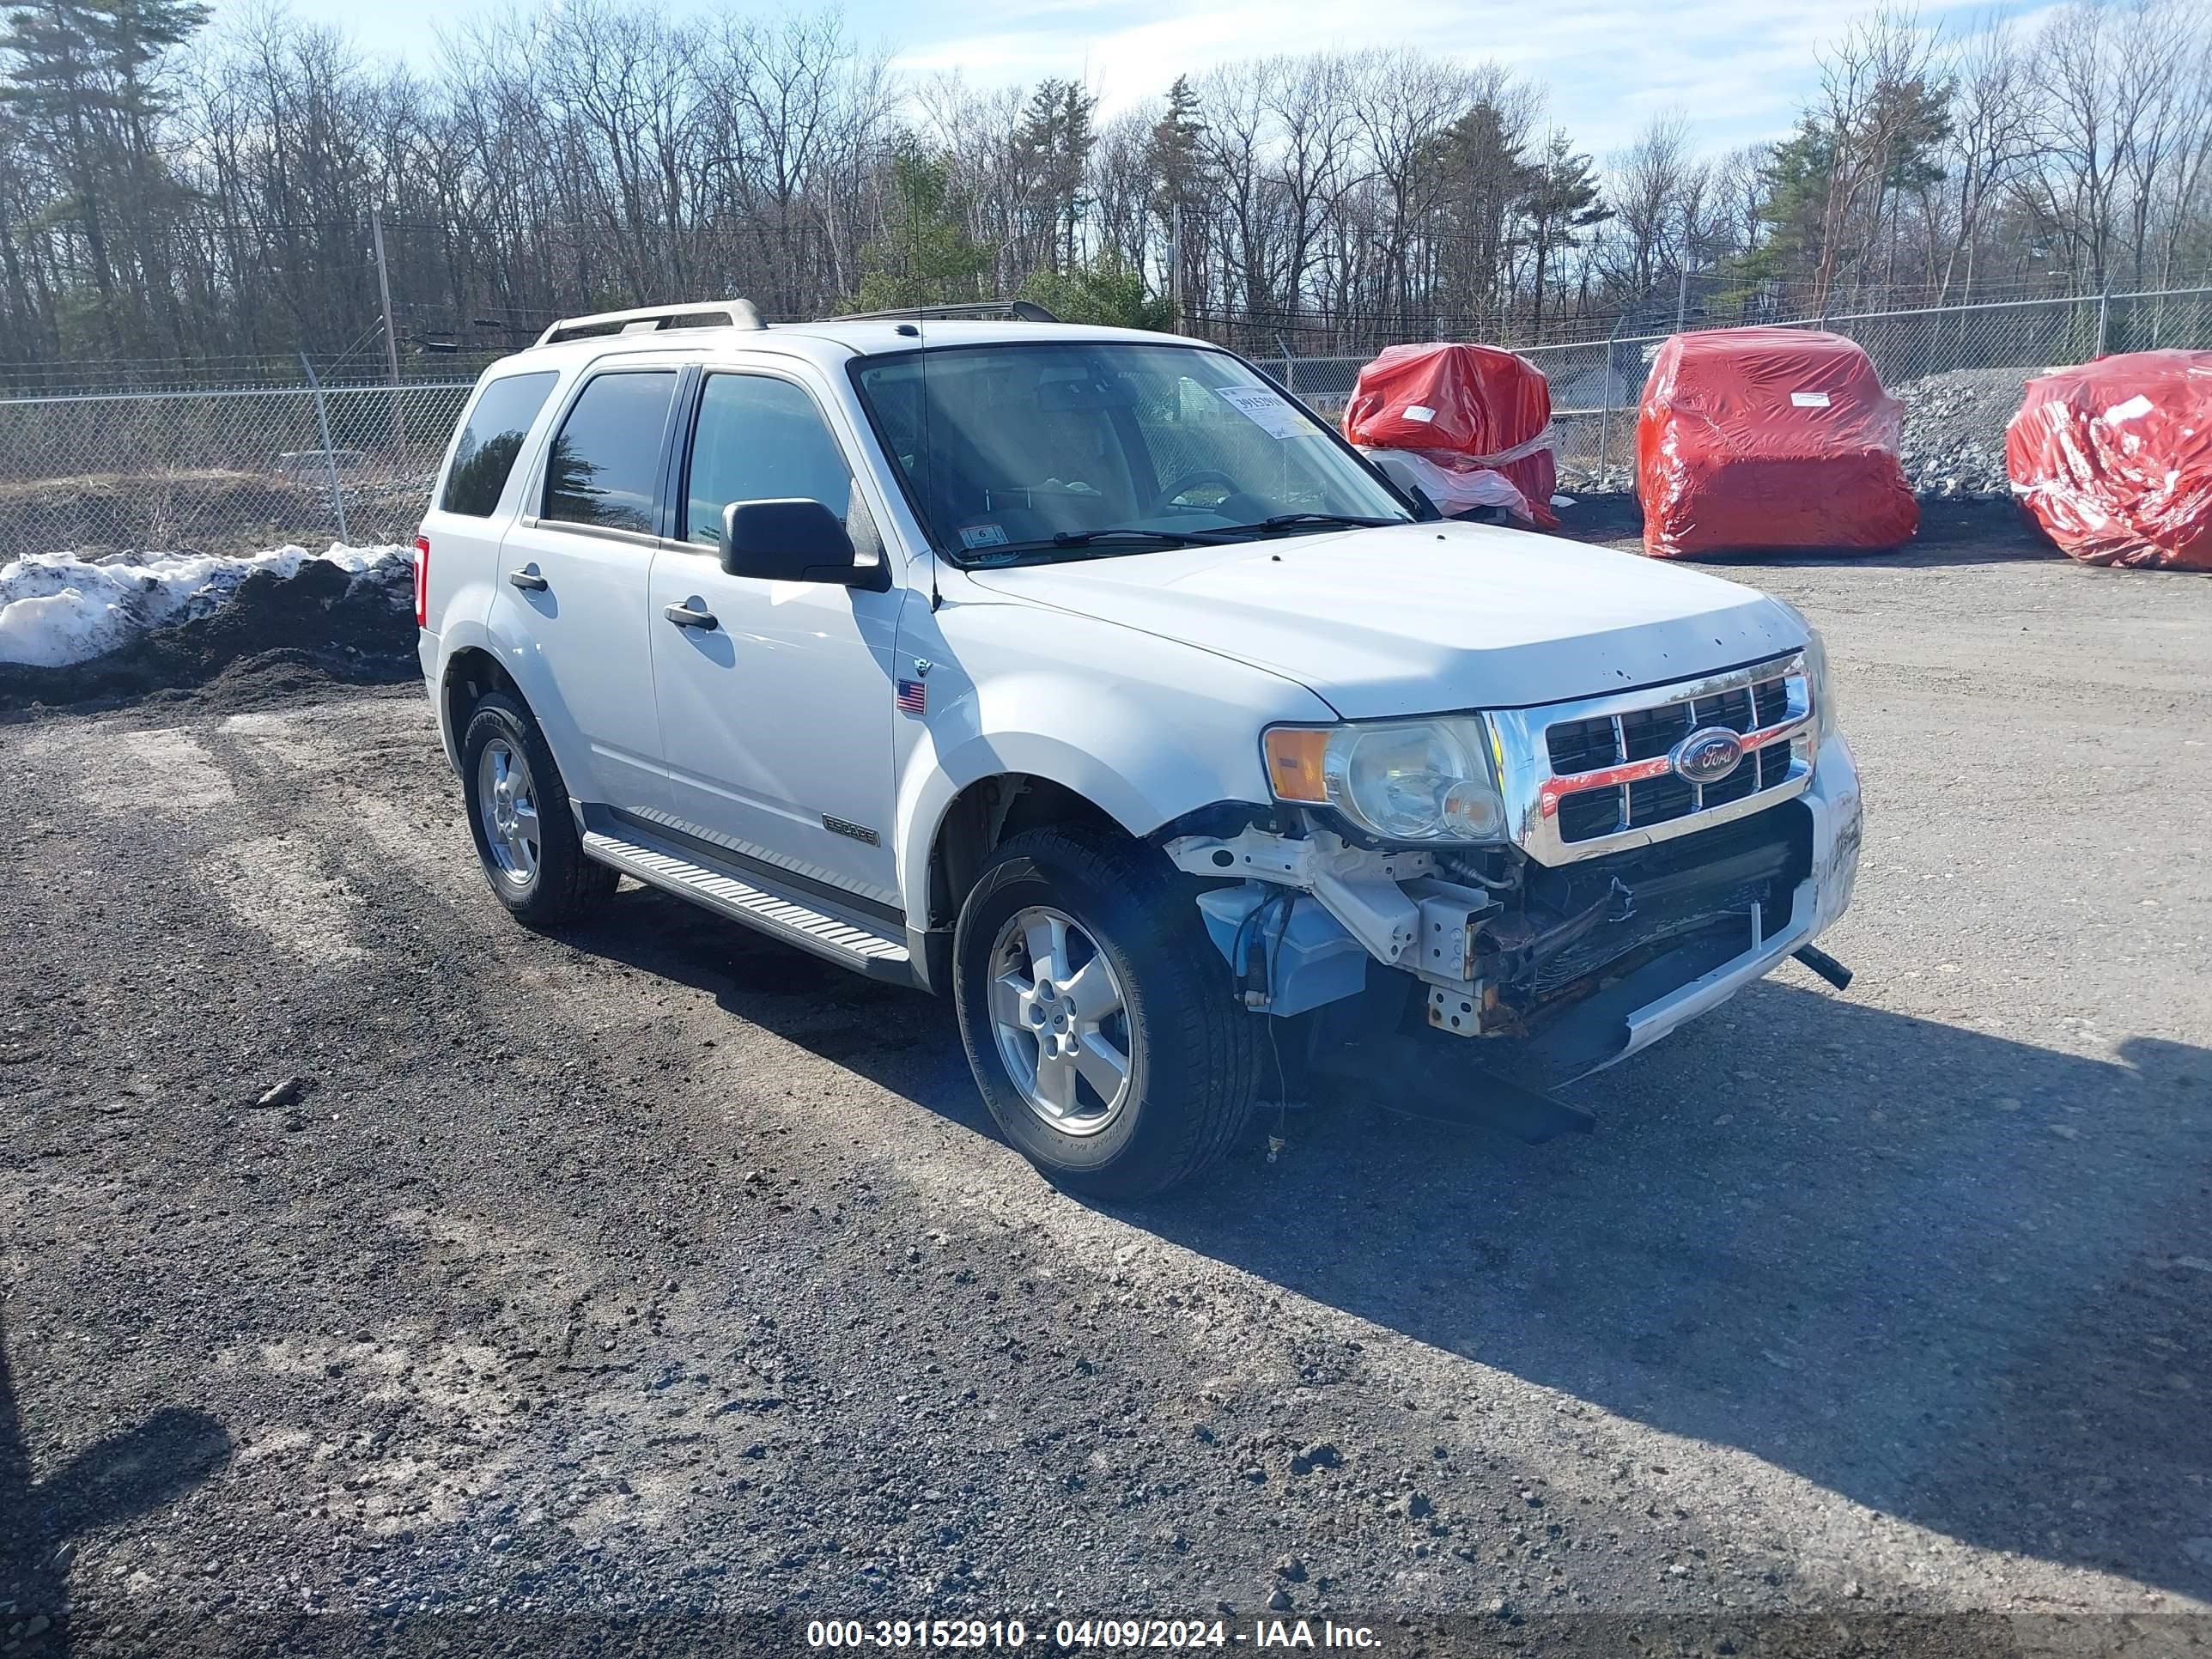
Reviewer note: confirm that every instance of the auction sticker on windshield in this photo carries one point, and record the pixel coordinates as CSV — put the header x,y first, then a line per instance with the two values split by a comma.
x,y
1265,409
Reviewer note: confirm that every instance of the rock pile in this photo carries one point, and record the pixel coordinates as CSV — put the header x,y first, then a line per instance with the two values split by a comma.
x,y
1954,429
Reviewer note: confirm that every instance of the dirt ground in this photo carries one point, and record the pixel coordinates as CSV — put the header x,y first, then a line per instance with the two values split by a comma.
x,y
610,1291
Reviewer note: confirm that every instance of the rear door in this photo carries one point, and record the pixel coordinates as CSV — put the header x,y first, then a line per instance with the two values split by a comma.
x,y
775,725
575,572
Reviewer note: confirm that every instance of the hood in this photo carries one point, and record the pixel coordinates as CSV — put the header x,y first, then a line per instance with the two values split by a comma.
x,y
1414,619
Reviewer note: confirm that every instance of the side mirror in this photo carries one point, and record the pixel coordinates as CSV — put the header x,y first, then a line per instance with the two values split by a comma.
x,y
794,541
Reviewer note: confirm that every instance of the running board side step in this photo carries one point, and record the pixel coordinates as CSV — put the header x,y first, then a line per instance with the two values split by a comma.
x,y
837,939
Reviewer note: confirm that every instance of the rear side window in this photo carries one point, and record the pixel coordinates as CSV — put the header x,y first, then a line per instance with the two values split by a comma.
x,y
605,466
490,442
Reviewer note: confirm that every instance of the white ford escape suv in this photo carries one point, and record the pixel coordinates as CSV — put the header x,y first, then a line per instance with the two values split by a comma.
x,y
1083,676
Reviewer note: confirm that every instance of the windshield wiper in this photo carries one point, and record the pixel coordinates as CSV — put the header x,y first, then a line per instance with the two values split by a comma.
x,y
1145,537
1007,552
1335,521
1156,537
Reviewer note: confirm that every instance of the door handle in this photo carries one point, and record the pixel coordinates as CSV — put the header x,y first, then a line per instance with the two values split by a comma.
x,y
684,616
528,578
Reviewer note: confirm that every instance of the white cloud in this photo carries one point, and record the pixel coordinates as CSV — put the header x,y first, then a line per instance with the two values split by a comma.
x,y
1735,69
1735,72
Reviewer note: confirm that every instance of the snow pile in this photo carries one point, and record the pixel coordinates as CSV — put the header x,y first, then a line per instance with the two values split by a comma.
x,y
1954,429
56,610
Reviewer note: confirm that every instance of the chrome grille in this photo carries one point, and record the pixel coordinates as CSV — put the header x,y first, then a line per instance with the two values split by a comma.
x,y
1587,745
1589,777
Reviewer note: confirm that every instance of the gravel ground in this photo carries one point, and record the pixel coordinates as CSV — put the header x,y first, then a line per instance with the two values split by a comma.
x,y
376,1274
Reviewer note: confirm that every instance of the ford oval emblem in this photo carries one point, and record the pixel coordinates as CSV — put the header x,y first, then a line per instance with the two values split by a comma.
x,y
1708,755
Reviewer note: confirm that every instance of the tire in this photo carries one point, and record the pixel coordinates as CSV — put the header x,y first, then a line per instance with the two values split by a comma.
x,y
539,871
1190,1052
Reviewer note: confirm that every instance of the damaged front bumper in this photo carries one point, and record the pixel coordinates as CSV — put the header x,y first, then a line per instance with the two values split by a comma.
x,y
1820,898
1564,971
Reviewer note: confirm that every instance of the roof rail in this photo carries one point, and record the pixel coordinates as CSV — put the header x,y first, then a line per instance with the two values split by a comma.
x,y
648,319
1021,311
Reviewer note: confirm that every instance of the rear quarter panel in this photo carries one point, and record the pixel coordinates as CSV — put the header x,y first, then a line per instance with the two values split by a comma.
x,y
464,563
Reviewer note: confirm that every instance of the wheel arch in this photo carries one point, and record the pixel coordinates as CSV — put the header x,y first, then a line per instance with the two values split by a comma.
x,y
987,813
957,804
470,673
477,660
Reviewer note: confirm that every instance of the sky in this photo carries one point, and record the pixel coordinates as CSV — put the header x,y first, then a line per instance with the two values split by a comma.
x,y
1734,70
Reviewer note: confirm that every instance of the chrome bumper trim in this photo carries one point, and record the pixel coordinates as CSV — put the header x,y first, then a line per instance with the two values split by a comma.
x,y
1701,995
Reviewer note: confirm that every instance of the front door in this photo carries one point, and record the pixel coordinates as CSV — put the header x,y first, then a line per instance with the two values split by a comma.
x,y
573,576
775,723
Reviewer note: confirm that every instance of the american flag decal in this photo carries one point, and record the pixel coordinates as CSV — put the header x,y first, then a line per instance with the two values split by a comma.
x,y
913,697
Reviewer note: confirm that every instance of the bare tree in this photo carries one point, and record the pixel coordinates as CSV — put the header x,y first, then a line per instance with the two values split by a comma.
x,y
1405,102
187,202
1311,101
1879,97
1123,188
1993,139
1647,187
2073,186
1237,148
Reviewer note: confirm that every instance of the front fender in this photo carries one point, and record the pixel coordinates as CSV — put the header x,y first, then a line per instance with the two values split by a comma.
x,y
934,781
1144,747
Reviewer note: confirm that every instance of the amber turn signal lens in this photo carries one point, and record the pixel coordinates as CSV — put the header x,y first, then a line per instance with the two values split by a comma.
x,y
1294,764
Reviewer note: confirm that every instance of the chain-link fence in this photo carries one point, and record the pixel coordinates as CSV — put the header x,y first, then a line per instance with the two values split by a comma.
x,y
220,470
1930,358
231,469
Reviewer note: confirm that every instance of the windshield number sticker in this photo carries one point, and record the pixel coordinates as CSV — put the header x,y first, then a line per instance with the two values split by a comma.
x,y
1265,409
1809,399
983,535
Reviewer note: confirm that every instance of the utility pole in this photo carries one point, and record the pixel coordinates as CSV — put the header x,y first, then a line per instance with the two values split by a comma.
x,y
391,337
384,294
330,455
1175,261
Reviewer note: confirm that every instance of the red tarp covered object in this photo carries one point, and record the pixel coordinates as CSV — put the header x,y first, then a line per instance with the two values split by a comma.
x,y
1463,408
1753,438
2114,458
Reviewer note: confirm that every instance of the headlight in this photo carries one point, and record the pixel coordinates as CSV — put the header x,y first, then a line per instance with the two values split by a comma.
x,y
1407,780
1816,655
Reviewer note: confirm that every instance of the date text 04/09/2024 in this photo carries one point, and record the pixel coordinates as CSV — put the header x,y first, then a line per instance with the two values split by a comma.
x,y
1087,1634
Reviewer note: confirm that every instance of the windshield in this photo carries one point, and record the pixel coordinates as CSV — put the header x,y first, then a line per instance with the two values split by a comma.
x,y
1086,448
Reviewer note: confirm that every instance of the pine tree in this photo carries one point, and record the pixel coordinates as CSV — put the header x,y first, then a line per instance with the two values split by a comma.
x,y
1488,179
1077,136
926,255
78,84
1830,183
1052,147
1107,291
1175,168
1562,203
1175,149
